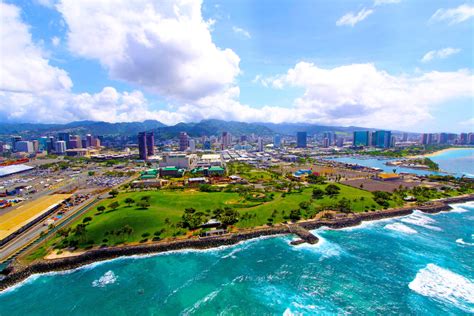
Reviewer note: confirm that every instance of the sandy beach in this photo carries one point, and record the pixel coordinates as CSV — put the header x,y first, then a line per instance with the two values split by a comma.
x,y
439,152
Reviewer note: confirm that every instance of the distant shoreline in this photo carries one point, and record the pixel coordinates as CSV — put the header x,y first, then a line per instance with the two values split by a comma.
x,y
442,151
21,273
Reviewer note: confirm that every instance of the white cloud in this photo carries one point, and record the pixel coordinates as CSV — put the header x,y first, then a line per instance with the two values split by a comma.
x,y
454,15
24,66
360,94
55,41
241,31
34,91
164,46
381,2
441,54
352,19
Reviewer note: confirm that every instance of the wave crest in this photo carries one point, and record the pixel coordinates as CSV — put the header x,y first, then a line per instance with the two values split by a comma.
x,y
399,227
444,286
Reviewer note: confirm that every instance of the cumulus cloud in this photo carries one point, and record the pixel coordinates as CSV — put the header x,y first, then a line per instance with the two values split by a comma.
x,y
352,18
441,54
24,66
33,90
163,46
364,95
454,15
241,31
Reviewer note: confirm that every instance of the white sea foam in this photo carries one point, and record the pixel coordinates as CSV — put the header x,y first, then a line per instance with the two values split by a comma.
x,y
444,286
421,220
109,277
324,247
461,207
462,242
399,227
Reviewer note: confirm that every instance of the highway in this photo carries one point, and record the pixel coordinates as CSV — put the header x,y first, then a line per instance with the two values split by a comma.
x,y
32,235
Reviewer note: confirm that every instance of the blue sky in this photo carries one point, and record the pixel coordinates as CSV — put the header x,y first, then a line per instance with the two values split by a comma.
x,y
277,60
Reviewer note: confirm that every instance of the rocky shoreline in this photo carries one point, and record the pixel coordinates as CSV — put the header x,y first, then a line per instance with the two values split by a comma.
x,y
16,274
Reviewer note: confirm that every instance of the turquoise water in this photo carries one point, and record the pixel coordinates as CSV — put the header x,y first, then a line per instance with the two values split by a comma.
x,y
456,162
414,265
460,161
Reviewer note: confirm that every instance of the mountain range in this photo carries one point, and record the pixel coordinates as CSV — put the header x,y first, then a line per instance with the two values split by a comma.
x,y
162,131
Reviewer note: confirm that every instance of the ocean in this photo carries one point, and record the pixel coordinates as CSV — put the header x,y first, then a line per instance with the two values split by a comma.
x,y
457,162
414,265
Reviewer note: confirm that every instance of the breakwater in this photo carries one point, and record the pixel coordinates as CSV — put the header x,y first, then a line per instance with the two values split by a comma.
x,y
19,273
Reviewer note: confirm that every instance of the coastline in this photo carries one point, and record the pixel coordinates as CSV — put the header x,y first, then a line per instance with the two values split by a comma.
x,y
21,273
442,151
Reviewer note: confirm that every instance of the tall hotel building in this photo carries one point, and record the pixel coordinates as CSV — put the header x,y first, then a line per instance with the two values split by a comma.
x,y
150,144
183,141
142,148
301,139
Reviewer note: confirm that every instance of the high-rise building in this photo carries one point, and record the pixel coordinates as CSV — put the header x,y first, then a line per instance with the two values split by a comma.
x,y
96,142
43,143
330,138
142,148
226,140
470,138
75,141
427,139
24,146
277,141
66,138
206,145
192,145
340,142
51,145
88,140
35,145
15,139
361,138
442,138
150,144
60,147
463,139
326,142
183,141
383,139
301,139
404,137
259,144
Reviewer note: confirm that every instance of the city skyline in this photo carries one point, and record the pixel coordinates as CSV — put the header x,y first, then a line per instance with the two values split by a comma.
x,y
340,64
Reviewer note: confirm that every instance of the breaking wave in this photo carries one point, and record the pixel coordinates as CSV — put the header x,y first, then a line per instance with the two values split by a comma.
x,y
399,227
444,286
421,220
108,278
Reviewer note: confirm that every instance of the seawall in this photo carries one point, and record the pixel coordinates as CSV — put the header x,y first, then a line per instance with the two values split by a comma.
x,y
20,273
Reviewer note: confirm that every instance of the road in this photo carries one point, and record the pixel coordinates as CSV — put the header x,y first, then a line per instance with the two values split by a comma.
x,y
33,234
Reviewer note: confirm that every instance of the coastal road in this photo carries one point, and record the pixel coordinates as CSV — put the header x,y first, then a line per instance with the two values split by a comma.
x,y
32,235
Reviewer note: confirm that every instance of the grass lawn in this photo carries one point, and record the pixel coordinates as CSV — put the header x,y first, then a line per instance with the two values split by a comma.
x,y
168,206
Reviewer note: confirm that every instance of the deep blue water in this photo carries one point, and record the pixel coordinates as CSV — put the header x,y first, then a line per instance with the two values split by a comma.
x,y
414,265
456,162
